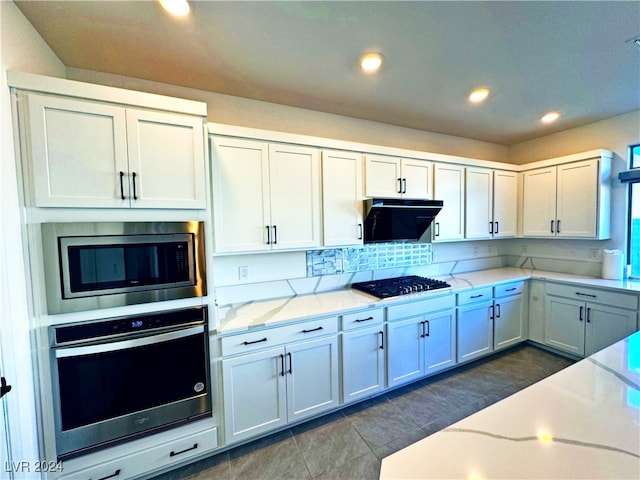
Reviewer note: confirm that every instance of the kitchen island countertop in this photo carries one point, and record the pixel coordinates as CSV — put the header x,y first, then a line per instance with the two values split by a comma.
x,y
582,422
241,317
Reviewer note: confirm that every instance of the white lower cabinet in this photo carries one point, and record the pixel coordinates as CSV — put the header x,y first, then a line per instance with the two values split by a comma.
x,y
582,321
422,344
508,318
363,367
269,388
475,323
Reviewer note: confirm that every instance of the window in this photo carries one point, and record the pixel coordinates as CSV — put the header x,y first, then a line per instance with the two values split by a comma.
x,y
632,177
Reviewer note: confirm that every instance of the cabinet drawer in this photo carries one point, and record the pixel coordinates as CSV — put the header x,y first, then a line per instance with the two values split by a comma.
x,y
269,337
475,295
411,309
607,297
363,318
154,458
505,289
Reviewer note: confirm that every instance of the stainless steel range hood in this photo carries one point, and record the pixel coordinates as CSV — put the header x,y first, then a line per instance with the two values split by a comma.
x,y
395,219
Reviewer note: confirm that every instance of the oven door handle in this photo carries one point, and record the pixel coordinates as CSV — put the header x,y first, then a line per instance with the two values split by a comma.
x,y
62,352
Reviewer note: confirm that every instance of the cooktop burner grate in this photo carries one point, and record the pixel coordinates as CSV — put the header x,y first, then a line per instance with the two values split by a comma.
x,y
392,287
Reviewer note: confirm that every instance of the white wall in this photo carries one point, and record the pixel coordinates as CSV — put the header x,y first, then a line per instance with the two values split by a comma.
x,y
21,49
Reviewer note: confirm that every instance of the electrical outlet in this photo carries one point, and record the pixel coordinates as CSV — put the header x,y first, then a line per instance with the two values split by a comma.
x,y
243,272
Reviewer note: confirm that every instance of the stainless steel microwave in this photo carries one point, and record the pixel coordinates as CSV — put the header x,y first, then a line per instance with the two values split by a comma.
x,y
108,264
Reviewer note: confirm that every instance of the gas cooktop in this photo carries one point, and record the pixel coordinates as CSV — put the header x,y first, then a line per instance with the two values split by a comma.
x,y
392,287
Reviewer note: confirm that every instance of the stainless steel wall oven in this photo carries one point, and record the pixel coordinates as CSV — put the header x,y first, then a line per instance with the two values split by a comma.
x,y
108,264
121,378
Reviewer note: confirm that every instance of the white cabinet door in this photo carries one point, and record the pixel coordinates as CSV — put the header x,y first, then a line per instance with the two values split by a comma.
x,y
362,363
564,324
577,199
606,325
475,331
78,152
383,177
440,341
417,179
254,389
479,203
166,160
405,356
342,198
539,202
508,326
240,175
294,179
505,204
449,187
312,377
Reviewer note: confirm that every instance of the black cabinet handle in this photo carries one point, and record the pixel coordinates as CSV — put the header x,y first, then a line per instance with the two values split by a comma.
x,y
268,235
290,372
255,341
4,388
399,185
581,309
275,234
588,314
113,475
490,228
510,289
497,228
428,330
551,226
498,310
361,236
404,185
282,365
437,234
135,195
586,295
381,333
364,319
173,454
557,226
122,185
491,312
477,296
312,330
422,331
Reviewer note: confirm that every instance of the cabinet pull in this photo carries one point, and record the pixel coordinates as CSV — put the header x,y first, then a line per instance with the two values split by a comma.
x,y
557,226
404,185
588,314
422,333
361,235
135,195
399,185
381,333
510,289
173,454
275,234
122,185
491,312
477,296
312,330
428,330
497,228
282,365
255,341
364,319
437,234
581,309
497,310
490,228
290,371
268,235
586,295
551,226
113,475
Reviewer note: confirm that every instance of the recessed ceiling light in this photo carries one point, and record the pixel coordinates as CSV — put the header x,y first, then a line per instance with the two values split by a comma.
x,y
179,8
550,117
371,62
479,95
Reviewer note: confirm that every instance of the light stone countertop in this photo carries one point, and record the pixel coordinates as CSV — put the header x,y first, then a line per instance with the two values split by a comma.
x,y
242,317
582,422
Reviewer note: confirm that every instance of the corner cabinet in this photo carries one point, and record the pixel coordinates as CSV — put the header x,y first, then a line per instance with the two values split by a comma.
x,y
568,200
265,196
103,155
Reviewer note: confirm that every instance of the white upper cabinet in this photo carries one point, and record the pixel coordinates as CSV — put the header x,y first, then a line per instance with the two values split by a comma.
x,y
449,187
391,177
265,196
90,154
342,198
568,200
491,203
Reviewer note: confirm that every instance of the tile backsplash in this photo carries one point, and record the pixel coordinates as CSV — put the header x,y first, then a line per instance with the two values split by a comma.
x,y
367,257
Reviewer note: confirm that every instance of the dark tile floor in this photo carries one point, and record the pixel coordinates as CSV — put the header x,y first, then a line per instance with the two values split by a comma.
x,y
350,443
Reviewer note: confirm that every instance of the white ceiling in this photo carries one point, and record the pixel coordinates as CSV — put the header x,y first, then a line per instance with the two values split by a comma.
x,y
574,57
